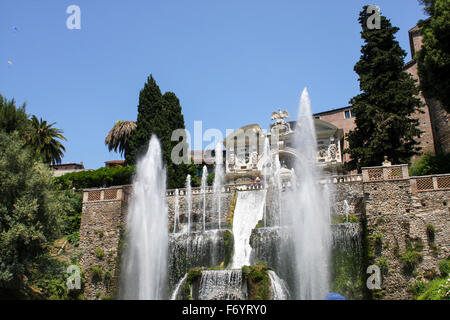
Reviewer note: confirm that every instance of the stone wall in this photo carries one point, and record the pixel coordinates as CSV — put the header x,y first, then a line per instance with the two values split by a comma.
x,y
396,218
101,231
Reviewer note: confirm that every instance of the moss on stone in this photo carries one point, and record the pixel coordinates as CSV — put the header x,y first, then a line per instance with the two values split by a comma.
x,y
193,275
258,282
229,247
231,212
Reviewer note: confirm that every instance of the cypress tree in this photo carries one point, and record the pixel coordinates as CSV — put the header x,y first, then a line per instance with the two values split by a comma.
x,y
384,126
158,114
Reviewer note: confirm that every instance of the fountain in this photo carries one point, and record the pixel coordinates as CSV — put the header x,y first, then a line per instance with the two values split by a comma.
x,y
188,197
218,181
144,269
203,191
176,219
277,188
346,209
249,210
290,239
310,221
266,171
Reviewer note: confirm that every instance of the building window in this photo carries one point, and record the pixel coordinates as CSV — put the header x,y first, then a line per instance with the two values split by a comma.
x,y
347,114
352,114
316,117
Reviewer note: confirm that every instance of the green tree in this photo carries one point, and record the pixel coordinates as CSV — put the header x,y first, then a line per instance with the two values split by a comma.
x,y
13,118
30,211
383,110
434,57
118,137
43,140
158,115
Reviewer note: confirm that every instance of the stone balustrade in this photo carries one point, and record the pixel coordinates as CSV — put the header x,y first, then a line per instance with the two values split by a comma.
x,y
385,173
430,183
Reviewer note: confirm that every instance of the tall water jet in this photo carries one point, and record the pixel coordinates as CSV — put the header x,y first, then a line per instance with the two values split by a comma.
x,y
310,216
277,187
144,270
203,192
176,219
218,181
188,197
266,171
346,209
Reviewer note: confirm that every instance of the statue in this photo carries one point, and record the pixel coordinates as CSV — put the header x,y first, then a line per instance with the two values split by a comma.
x,y
280,124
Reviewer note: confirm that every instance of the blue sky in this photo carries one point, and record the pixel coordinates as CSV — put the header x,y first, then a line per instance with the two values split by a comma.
x,y
230,63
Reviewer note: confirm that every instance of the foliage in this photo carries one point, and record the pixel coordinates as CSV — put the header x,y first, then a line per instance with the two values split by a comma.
x,y
43,141
258,282
389,96
193,275
210,179
30,210
103,177
412,256
437,289
158,114
118,137
96,273
229,247
383,265
99,253
341,218
431,164
346,275
444,267
430,232
13,118
231,211
49,277
434,57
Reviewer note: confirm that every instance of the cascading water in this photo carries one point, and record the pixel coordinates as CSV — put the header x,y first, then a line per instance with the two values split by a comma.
x,y
249,210
221,285
144,271
188,197
176,219
278,287
218,181
203,192
309,213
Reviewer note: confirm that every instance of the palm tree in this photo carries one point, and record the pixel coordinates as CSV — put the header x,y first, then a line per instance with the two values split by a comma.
x,y
118,137
13,118
43,140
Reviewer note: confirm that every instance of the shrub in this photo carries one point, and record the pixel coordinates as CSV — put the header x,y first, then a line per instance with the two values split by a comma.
x,y
430,232
258,282
99,253
411,257
444,267
431,164
383,265
103,177
436,290
97,273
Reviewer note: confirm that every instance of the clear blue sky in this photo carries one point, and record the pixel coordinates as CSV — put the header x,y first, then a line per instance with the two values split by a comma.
x,y
230,62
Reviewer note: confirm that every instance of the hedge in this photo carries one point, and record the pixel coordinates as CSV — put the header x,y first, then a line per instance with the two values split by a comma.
x,y
103,177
